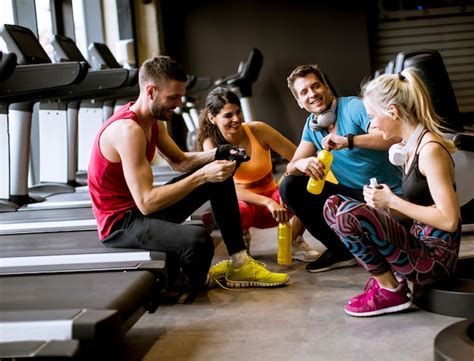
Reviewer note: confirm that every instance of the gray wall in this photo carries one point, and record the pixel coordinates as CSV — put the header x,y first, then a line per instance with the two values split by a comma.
x,y
211,37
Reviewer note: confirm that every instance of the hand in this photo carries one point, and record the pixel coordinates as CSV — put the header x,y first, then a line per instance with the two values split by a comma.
x,y
334,141
312,167
278,211
218,170
225,151
378,197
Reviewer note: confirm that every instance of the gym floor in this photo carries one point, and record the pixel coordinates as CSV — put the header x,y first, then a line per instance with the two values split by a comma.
x,y
301,321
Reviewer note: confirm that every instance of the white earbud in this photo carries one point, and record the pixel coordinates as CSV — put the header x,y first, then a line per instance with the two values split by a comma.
x,y
398,153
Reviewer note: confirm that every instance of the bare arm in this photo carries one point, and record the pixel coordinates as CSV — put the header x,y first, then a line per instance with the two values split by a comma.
x,y
273,139
371,140
305,162
278,211
129,144
437,166
177,159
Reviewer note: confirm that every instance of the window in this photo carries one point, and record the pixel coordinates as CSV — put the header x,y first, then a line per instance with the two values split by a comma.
x,y
6,17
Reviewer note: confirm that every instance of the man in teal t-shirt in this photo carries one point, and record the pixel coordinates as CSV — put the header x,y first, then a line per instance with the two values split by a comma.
x,y
360,153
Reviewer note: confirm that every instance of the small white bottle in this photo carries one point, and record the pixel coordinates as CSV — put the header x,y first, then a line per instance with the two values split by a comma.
x,y
374,184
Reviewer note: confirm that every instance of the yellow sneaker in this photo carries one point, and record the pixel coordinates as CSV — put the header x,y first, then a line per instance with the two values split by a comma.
x,y
218,272
254,274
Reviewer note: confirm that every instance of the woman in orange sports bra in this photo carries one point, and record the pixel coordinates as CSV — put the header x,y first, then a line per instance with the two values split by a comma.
x,y
259,199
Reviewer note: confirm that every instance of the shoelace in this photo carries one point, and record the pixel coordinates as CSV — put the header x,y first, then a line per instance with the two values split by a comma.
x,y
370,288
256,263
217,282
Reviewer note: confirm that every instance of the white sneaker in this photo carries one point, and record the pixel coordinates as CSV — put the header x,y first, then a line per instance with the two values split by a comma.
x,y
303,252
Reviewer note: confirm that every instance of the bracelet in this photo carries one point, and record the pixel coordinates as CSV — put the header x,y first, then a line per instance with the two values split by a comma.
x,y
350,141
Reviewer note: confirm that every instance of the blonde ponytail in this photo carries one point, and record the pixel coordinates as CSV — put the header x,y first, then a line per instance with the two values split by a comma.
x,y
409,94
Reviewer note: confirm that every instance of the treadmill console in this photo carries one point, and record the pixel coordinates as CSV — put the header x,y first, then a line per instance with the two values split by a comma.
x,y
65,49
101,57
24,43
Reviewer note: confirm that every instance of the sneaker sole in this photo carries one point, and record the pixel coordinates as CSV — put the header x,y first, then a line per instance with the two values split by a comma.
x,y
382,311
245,284
348,263
304,259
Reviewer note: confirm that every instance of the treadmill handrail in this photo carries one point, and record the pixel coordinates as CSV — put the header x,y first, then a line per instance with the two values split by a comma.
x,y
7,65
33,82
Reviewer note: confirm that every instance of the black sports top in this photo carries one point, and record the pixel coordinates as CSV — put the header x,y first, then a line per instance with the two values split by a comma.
x,y
414,184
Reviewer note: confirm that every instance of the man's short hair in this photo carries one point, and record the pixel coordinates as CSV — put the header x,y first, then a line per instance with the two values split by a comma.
x,y
159,70
300,72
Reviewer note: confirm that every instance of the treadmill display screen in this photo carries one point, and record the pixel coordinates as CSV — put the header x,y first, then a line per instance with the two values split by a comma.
x,y
28,46
102,54
67,49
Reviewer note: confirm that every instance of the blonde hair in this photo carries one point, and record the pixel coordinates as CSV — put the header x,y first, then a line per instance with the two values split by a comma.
x,y
409,94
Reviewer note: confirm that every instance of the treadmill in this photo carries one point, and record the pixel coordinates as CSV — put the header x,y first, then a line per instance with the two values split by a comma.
x,y
54,114
18,92
93,309
77,246
68,314
56,218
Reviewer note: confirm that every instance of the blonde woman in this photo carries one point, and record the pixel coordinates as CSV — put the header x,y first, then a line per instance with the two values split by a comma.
x,y
415,236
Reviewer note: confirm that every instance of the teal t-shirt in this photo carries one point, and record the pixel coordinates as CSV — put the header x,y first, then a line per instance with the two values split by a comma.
x,y
354,168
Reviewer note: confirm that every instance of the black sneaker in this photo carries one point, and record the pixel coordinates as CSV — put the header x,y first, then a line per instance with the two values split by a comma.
x,y
328,261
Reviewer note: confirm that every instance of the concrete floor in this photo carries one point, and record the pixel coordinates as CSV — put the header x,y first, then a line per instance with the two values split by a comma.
x,y
301,321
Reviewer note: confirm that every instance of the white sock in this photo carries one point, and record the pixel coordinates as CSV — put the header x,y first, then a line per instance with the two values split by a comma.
x,y
238,259
398,288
297,240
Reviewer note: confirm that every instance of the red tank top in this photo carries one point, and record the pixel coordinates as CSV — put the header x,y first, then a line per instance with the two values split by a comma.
x,y
109,191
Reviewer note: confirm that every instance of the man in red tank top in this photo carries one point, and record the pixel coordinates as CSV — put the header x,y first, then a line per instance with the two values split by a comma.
x,y
132,213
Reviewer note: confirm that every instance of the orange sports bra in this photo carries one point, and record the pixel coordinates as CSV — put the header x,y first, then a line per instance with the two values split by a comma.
x,y
256,174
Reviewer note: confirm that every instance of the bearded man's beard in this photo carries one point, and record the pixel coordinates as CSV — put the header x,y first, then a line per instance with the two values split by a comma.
x,y
158,112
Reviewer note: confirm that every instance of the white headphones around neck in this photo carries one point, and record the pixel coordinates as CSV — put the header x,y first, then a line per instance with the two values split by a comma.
x,y
398,153
324,119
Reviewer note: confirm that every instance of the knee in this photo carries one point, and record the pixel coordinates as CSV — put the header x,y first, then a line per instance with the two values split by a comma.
x,y
330,210
246,216
343,216
201,242
288,188
332,204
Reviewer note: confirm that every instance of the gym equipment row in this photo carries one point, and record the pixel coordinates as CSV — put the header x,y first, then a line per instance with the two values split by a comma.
x,y
63,294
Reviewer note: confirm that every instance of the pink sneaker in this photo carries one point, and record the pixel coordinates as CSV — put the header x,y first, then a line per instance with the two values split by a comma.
x,y
377,300
402,281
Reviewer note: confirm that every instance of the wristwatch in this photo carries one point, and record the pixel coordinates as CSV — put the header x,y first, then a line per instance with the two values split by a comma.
x,y
350,141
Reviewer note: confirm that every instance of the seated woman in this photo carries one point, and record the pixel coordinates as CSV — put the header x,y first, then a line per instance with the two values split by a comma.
x,y
415,237
259,200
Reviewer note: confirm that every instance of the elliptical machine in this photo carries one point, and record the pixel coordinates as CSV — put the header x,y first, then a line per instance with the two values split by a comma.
x,y
241,82
190,111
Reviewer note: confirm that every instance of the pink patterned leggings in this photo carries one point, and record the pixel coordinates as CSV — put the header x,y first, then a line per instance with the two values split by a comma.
x,y
420,253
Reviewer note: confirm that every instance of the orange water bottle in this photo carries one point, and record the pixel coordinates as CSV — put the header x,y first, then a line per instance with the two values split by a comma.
x,y
315,186
284,243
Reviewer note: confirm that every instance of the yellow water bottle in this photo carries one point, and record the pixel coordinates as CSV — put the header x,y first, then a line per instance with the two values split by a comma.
x,y
315,186
284,243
